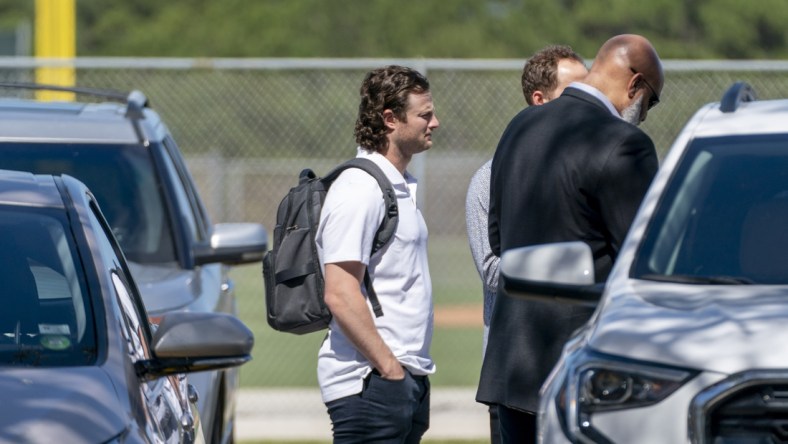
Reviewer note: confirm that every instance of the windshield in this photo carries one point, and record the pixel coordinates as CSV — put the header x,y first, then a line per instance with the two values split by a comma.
x,y
123,179
46,319
723,217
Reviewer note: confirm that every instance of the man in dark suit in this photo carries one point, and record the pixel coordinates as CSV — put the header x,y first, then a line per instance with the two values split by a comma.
x,y
574,169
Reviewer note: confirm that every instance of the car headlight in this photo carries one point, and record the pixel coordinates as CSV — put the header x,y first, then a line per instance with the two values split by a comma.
x,y
595,382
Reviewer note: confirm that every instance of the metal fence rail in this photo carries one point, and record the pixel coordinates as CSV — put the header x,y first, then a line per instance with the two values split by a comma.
x,y
250,111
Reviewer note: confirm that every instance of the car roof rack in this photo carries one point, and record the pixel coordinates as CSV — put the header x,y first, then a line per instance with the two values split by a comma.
x,y
135,100
738,93
134,97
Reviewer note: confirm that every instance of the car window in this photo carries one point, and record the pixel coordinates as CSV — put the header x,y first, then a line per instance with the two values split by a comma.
x,y
47,317
185,209
124,181
135,330
200,216
722,216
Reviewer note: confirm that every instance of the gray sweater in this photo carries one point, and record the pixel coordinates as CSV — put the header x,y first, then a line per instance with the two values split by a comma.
x,y
477,204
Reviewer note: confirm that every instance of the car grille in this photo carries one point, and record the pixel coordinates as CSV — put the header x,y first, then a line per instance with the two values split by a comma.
x,y
750,407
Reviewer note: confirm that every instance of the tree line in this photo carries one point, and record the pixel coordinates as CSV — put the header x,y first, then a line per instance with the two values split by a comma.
x,y
679,29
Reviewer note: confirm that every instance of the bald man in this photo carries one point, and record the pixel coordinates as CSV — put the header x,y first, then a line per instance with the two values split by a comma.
x,y
573,169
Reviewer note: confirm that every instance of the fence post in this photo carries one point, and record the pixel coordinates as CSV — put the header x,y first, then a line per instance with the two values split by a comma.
x,y
418,165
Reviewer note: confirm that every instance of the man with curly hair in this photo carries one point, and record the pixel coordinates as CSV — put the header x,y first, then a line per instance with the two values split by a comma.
x,y
545,75
373,371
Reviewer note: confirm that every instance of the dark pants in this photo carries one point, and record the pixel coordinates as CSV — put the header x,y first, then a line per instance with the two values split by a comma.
x,y
517,427
384,412
495,425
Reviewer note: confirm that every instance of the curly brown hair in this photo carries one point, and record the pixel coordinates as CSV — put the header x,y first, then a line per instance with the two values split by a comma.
x,y
382,89
541,70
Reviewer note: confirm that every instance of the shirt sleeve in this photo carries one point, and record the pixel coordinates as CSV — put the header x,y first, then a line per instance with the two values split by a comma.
x,y
625,178
476,218
351,214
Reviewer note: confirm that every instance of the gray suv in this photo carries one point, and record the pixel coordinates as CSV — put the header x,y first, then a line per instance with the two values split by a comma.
x,y
120,148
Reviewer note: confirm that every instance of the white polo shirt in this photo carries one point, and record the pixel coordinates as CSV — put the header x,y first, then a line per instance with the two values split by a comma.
x,y
351,215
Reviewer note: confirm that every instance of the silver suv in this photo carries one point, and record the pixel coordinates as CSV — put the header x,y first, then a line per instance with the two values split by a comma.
x,y
78,362
121,149
687,343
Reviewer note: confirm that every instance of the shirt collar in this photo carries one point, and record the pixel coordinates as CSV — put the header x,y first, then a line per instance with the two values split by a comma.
x,y
393,174
598,94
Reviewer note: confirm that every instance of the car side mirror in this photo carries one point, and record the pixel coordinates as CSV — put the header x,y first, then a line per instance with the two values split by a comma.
x,y
234,244
559,271
186,342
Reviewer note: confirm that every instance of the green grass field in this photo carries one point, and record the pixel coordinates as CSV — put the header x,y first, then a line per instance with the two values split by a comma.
x,y
286,360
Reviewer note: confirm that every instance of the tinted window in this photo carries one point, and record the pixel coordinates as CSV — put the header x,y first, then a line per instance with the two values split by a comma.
x,y
185,209
200,214
131,312
723,215
46,319
123,179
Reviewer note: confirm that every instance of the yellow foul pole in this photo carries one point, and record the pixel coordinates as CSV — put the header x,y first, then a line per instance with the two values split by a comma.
x,y
55,38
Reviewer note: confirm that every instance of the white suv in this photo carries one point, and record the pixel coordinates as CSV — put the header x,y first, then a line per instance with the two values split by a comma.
x,y
689,341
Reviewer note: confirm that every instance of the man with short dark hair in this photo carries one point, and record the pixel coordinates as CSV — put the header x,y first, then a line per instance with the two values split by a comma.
x,y
545,75
549,71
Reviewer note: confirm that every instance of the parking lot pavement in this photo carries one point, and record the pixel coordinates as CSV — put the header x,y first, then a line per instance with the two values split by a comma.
x,y
292,414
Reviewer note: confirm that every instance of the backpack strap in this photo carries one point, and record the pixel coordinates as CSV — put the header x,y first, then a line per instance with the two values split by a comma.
x,y
390,218
373,296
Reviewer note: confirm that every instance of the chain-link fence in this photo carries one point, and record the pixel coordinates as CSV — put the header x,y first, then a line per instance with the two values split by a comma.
x,y
247,128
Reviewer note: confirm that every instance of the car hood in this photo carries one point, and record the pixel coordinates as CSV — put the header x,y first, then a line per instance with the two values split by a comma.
x,y
59,405
715,328
165,287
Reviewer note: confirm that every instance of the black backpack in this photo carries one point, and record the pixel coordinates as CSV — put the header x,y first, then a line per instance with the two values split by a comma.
x,y
291,270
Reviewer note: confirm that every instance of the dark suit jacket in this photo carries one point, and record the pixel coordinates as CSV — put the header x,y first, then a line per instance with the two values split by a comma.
x,y
567,170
